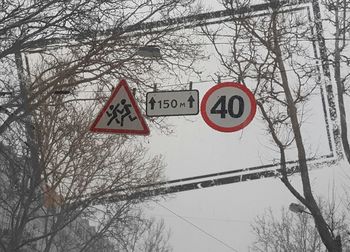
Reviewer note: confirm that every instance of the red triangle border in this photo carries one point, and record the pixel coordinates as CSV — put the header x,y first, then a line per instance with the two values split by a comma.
x,y
144,131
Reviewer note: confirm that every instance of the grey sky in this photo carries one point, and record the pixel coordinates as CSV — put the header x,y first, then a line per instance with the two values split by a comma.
x,y
217,218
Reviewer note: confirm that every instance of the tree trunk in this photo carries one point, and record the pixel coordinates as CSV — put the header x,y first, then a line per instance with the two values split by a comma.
x,y
320,222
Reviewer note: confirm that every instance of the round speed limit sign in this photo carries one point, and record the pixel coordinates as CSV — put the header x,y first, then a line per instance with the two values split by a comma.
x,y
228,107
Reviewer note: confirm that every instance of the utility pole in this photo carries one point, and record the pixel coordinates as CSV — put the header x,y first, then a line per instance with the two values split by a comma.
x,y
32,172
32,145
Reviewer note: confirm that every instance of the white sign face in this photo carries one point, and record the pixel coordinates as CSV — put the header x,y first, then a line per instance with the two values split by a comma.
x,y
228,107
172,103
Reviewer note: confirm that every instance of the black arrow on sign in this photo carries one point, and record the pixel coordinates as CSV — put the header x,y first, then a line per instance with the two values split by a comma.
x,y
191,101
152,102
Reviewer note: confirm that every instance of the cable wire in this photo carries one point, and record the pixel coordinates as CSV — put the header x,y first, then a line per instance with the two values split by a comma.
x,y
206,218
198,228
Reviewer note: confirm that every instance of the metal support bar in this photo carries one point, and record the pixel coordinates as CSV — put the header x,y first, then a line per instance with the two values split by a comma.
x,y
186,22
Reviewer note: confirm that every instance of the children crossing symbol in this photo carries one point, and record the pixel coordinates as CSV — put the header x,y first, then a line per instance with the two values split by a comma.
x,y
124,112
121,115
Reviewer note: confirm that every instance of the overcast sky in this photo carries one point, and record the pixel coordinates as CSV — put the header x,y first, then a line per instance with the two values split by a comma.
x,y
218,218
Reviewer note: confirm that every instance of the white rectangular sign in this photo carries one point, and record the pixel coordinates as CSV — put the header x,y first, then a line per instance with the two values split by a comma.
x,y
172,103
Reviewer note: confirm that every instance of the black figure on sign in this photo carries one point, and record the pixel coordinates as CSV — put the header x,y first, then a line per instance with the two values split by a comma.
x,y
123,112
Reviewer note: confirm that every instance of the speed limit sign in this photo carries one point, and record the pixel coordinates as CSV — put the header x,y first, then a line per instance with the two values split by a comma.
x,y
228,107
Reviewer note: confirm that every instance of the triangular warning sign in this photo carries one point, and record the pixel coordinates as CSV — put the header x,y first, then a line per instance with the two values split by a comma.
x,y
121,115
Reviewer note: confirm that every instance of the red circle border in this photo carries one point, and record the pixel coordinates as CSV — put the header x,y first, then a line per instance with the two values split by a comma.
x,y
222,85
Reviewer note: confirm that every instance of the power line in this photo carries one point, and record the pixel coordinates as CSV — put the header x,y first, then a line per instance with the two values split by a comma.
x,y
206,218
198,228
283,40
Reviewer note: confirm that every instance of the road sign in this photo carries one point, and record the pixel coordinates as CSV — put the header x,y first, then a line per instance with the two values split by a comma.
x,y
228,107
121,114
172,103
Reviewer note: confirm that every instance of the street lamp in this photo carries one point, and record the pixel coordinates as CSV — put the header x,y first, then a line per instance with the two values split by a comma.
x,y
297,208
149,51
